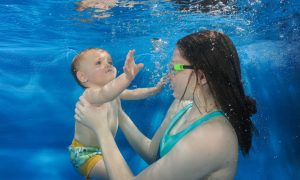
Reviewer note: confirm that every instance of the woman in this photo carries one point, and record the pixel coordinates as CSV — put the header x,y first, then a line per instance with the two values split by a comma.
x,y
195,141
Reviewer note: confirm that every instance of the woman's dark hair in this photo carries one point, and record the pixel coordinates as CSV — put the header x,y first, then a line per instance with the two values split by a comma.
x,y
214,53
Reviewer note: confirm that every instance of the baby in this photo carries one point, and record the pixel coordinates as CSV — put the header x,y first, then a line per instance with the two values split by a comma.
x,y
93,69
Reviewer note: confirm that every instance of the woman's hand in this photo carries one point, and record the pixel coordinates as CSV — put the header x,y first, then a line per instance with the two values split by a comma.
x,y
90,116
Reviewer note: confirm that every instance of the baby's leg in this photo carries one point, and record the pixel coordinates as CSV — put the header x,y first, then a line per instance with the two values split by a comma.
x,y
99,171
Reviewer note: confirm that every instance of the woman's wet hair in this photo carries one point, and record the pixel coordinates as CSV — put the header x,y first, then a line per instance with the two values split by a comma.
x,y
215,55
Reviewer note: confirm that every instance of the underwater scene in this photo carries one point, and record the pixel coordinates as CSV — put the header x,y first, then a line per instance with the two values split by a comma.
x,y
39,39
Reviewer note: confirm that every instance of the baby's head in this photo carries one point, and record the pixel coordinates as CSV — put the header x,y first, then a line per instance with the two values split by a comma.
x,y
93,68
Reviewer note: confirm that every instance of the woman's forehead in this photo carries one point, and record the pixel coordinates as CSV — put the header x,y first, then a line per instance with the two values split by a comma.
x,y
177,58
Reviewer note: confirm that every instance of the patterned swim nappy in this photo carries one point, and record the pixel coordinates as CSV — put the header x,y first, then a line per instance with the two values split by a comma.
x,y
84,158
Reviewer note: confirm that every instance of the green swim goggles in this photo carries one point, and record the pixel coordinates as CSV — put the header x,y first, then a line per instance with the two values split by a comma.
x,y
178,67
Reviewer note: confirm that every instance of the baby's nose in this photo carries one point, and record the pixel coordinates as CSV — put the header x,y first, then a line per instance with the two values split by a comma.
x,y
108,65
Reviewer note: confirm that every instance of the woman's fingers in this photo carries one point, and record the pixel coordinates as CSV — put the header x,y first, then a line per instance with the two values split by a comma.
x,y
77,111
79,106
83,101
77,117
80,101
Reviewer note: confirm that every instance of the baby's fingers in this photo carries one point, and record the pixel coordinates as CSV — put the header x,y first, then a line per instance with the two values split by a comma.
x,y
163,80
126,70
129,57
140,66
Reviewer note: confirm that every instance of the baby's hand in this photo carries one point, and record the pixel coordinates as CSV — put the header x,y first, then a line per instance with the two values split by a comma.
x,y
161,83
130,68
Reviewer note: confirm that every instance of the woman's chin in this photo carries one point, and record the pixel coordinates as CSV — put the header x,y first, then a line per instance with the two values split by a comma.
x,y
184,98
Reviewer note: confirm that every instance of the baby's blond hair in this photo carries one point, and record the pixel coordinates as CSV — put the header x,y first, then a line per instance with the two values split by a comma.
x,y
76,63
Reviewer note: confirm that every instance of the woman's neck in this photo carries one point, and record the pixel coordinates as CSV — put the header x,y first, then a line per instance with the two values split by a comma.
x,y
204,103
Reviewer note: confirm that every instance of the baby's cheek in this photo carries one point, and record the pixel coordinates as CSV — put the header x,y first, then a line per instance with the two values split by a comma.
x,y
115,71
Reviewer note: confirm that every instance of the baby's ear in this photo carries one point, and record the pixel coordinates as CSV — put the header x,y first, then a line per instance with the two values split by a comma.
x,y
81,77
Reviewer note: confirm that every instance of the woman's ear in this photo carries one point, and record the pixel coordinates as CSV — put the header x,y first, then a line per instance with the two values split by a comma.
x,y
81,77
202,78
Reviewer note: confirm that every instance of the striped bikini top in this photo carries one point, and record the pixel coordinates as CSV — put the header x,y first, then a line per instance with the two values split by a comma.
x,y
169,141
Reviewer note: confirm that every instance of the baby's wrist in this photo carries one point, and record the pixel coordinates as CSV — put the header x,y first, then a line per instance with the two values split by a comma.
x,y
129,77
156,89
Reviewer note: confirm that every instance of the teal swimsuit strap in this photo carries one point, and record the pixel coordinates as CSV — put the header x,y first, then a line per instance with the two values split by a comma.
x,y
178,116
168,141
175,118
198,123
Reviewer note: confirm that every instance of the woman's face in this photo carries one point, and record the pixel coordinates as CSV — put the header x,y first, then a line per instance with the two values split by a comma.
x,y
181,80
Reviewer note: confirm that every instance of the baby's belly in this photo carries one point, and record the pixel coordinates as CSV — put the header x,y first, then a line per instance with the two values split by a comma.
x,y
87,136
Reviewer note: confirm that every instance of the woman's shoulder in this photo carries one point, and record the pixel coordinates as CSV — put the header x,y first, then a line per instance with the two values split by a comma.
x,y
208,148
216,136
217,129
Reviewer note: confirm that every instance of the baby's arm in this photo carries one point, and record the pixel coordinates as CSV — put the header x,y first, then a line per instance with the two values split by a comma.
x,y
142,93
111,90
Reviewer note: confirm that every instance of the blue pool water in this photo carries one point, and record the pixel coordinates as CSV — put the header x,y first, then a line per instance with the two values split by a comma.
x,y
38,40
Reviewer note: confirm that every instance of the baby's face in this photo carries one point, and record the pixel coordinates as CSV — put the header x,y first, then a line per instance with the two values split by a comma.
x,y
98,68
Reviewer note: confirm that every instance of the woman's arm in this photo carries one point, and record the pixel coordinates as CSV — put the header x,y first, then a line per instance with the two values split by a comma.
x,y
201,152
197,155
138,141
189,159
145,147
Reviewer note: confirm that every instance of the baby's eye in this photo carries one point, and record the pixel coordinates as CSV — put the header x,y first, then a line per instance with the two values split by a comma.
x,y
110,62
98,62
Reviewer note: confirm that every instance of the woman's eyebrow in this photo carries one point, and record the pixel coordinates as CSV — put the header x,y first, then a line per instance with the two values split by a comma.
x,y
176,62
